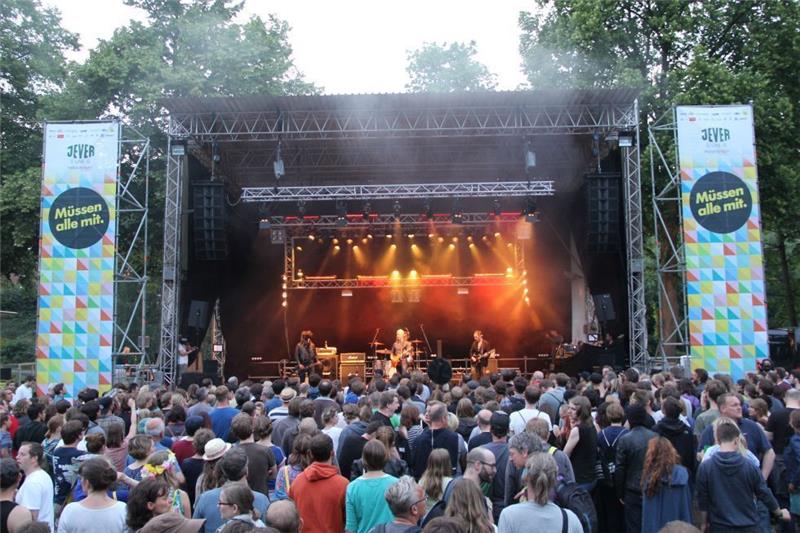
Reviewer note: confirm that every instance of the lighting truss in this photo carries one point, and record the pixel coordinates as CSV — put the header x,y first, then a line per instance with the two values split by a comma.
x,y
399,191
356,223
439,281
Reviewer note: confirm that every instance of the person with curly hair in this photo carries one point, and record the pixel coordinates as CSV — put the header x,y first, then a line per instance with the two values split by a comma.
x,y
665,485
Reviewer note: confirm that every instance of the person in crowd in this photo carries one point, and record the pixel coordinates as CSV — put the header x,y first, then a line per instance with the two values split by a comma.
x,y
51,438
108,406
325,400
97,511
727,484
36,493
319,492
286,395
147,499
538,427
262,435
236,505
6,440
631,452
410,427
679,434
449,524
406,500
183,446
466,418
222,415
665,483
791,458
139,448
610,513
395,466
389,403
520,447
12,515
537,508
283,517
260,460
363,509
297,461
499,426
758,411
193,466
481,434
330,425
352,441
209,479
233,468
204,404
63,458
466,501
581,445
287,425
26,390
712,390
176,421
437,476
35,430
160,465
519,419
436,435
172,523
117,442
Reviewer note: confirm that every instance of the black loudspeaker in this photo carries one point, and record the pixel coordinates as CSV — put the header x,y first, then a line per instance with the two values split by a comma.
x,y
604,307
602,212
189,378
440,371
345,369
329,367
5,374
210,240
211,370
198,314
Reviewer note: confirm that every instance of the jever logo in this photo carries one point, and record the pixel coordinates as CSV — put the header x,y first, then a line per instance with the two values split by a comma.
x,y
715,135
79,217
80,151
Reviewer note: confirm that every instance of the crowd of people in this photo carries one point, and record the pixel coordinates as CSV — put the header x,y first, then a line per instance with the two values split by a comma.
x,y
669,451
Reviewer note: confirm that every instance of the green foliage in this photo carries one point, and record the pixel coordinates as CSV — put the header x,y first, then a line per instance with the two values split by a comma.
x,y
18,322
447,68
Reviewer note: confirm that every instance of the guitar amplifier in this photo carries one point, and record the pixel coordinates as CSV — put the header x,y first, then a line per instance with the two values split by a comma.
x,y
353,357
330,363
347,368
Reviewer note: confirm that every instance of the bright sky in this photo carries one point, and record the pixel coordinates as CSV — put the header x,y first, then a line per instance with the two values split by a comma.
x,y
352,46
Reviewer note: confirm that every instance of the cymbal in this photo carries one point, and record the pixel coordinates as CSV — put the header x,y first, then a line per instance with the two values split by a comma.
x,y
416,341
376,343
383,352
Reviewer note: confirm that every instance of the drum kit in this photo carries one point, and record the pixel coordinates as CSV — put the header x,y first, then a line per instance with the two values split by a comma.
x,y
382,357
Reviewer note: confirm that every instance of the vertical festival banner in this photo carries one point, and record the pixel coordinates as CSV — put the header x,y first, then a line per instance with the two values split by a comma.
x,y
727,311
76,256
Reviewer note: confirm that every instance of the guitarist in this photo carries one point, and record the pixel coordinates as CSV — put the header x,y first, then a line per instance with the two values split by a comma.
x,y
402,352
305,354
477,353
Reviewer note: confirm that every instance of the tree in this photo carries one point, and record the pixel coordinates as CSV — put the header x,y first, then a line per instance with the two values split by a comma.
x,y
691,51
447,68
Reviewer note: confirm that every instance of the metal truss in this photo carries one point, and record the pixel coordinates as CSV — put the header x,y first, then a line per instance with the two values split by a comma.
x,y
670,259
358,224
634,232
218,349
170,285
375,283
130,258
399,191
442,121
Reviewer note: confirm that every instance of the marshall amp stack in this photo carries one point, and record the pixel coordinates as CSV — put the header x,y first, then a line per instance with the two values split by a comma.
x,y
352,363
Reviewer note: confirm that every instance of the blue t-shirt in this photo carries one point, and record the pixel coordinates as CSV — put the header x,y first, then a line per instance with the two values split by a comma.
x,y
65,473
221,418
206,507
279,457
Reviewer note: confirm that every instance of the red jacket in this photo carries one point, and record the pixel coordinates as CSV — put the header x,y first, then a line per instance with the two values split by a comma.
x,y
319,493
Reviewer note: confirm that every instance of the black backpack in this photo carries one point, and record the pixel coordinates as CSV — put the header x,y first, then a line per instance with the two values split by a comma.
x,y
578,500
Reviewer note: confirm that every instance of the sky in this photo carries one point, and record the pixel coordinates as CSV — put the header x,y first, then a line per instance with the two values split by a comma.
x,y
351,46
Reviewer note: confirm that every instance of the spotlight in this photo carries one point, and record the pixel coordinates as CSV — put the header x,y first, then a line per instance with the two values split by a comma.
x,y
349,241
337,248
397,208
496,234
441,240
335,240
456,216
411,235
311,237
369,235
364,240
625,139
264,224
430,235
341,214
531,211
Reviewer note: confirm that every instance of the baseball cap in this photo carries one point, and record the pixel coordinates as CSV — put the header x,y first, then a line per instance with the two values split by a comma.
x,y
499,422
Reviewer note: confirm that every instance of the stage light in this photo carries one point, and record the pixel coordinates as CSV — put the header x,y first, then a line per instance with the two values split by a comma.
x,y
396,274
496,234
393,246
524,272
369,236
337,248
299,248
472,245
441,240
364,240
284,295
347,293
531,211
508,245
412,274
311,237
264,224
462,291
527,300
410,235
455,239
284,303
283,286
509,272
284,277
349,241
469,238
300,274
524,281
525,290
430,235
452,246
355,247
485,238
456,216
388,236
397,209
341,214
335,240
320,241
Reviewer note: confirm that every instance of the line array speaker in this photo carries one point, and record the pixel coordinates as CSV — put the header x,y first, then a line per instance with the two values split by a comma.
x,y
210,239
602,212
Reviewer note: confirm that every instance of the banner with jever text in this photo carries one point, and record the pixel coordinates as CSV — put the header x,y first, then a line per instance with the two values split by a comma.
x,y
76,256
726,303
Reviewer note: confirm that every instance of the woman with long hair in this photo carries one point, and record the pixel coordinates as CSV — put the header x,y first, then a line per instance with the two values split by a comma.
x,y
52,437
117,441
297,461
665,486
363,504
210,478
466,418
148,499
394,466
467,502
581,446
97,511
236,505
437,475
160,466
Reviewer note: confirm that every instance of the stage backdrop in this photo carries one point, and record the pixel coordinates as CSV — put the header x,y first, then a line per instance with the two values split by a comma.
x,y
722,232
76,262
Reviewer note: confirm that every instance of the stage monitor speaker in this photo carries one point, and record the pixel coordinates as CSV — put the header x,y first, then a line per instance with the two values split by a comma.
x,y
604,307
210,238
330,364
440,371
602,212
198,314
346,369
189,378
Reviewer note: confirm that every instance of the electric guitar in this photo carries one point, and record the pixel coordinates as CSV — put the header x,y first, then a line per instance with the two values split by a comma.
x,y
486,355
406,354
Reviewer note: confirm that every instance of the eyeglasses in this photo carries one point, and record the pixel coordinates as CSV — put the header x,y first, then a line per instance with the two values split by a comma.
x,y
418,502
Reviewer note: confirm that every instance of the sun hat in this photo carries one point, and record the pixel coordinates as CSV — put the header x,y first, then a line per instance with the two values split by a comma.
x,y
215,448
288,394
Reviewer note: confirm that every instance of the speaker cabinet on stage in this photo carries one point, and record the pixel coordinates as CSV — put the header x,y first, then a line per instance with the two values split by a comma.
x,y
189,378
330,364
602,212
210,238
345,369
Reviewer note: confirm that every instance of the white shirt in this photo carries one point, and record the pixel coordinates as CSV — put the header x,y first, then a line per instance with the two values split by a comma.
x,y
519,419
75,518
23,392
36,494
183,354
333,433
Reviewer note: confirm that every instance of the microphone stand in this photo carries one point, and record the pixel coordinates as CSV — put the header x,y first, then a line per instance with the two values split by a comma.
x,y
373,345
425,336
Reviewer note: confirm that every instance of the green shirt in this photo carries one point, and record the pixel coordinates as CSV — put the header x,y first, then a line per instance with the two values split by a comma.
x,y
366,507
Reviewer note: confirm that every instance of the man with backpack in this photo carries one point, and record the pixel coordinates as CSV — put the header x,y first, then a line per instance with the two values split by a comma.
x,y
553,396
